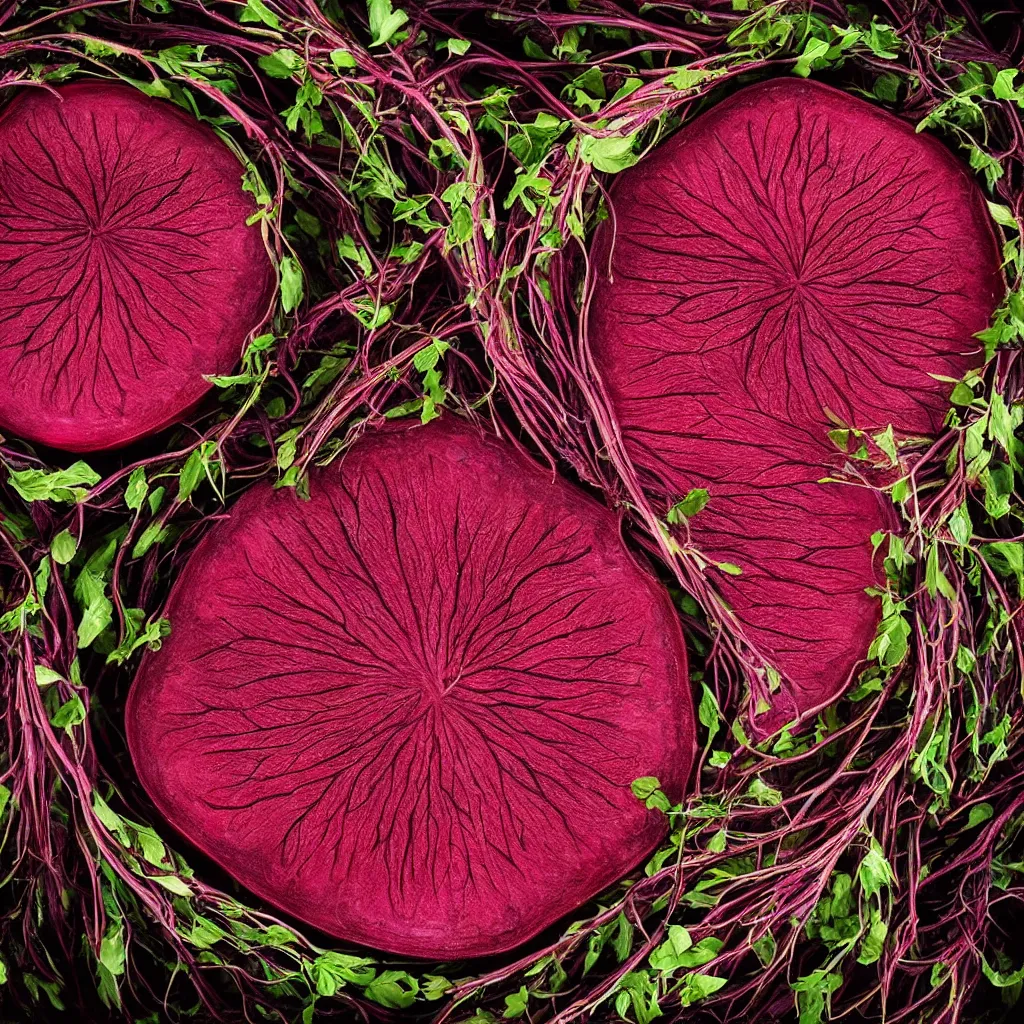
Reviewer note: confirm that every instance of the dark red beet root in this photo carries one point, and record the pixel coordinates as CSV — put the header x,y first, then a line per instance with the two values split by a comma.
x,y
409,710
794,250
127,271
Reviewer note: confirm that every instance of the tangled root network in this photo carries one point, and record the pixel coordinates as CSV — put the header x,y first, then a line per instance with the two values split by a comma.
x,y
511,511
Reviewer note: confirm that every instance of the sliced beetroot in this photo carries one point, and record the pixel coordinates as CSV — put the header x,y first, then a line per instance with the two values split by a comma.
x,y
408,711
792,253
127,270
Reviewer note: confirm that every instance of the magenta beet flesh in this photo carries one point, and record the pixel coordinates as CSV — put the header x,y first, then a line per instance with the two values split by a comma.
x,y
409,710
794,250
127,271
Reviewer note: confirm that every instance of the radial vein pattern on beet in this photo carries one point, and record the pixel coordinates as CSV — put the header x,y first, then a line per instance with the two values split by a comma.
x,y
409,710
127,269
792,258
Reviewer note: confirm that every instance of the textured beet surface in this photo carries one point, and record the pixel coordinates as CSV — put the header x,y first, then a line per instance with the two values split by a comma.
x,y
127,271
794,250
409,710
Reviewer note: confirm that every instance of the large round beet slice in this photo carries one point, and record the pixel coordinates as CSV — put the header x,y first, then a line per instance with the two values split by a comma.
x,y
127,271
409,710
794,252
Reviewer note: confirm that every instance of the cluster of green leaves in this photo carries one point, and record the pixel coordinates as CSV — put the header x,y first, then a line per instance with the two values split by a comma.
x,y
224,930
963,113
772,30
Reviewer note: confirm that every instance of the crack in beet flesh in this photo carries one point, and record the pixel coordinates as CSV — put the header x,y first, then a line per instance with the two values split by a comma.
x,y
409,710
127,270
792,253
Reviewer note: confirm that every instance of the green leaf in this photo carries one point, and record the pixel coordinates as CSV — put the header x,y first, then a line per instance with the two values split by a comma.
x,y
281,63
813,993
623,941
460,230
97,614
874,942
384,22
729,568
887,87
1003,87
191,474
112,951
699,986
516,1003
694,502
979,813
648,790
153,850
151,637
960,525
155,87
687,78
665,958
342,59
5,796
708,712
58,485
814,50
172,883
45,676
110,821
892,636
998,482
671,957
608,153
874,873
887,442
883,41
291,283
276,935
1003,215
645,786
405,409
199,464
51,989
638,991
935,579
150,535
63,547
765,795
348,250
394,989
427,358
205,933
1000,979
257,12
110,965
69,714
137,489
764,948
717,843
332,971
